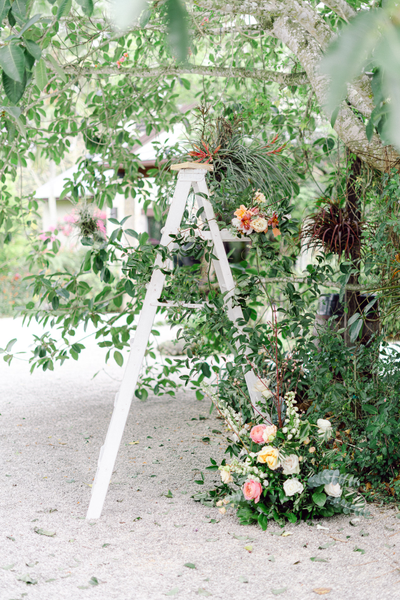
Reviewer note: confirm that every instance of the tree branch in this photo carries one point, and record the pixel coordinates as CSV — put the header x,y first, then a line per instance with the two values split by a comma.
x,y
341,8
257,74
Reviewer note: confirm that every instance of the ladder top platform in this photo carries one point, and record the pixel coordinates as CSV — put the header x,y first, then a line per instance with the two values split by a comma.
x,y
192,165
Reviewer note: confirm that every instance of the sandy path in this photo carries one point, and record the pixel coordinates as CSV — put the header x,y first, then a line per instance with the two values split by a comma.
x,y
51,428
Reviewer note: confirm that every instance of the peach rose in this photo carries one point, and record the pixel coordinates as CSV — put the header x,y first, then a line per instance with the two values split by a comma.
x,y
270,456
269,433
252,490
256,433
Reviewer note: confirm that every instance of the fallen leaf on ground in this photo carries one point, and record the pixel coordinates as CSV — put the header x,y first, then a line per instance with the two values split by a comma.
x,y
7,567
243,579
203,592
41,531
322,591
173,592
169,495
94,581
271,558
359,550
279,591
327,545
190,565
249,548
318,559
322,527
132,443
27,579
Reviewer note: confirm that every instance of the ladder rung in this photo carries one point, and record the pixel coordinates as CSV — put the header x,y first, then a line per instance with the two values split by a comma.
x,y
226,235
177,305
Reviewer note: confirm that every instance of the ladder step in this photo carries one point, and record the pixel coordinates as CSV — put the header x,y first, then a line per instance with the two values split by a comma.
x,y
226,235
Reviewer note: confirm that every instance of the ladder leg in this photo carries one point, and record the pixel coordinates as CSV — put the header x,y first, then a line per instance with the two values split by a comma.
x,y
109,451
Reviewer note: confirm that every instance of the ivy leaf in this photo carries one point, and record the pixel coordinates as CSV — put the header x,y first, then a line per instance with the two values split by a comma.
x,y
14,89
12,61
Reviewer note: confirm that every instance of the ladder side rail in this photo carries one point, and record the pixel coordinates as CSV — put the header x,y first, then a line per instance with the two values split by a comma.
x,y
226,281
109,451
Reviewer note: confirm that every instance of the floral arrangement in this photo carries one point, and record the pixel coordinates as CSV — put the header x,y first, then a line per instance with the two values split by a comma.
x,y
289,473
248,220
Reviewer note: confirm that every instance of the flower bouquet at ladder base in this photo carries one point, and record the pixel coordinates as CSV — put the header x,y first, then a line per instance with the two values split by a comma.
x,y
292,473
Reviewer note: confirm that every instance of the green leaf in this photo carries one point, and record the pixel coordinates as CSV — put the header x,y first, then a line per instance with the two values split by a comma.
x,y
185,83
177,29
130,288
56,67
334,116
10,345
19,9
14,89
64,8
29,24
94,581
119,359
41,79
4,8
190,565
87,6
319,498
345,58
33,49
173,592
12,61
169,495
278,591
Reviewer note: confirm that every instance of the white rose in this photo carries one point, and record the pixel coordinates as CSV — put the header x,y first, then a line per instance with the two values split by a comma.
x,y
226,477
333,490
324,427
293,486
259,224
291,465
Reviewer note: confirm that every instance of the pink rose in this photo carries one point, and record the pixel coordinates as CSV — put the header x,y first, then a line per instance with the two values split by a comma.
x,y
252,490
257,432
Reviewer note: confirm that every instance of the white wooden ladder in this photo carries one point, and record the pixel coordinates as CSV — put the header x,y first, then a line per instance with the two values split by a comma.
x,y
190,175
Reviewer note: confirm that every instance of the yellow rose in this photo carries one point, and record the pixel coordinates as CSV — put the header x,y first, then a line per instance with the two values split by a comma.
x,y
270,456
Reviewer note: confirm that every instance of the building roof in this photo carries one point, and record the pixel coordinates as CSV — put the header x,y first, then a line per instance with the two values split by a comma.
x,y
146,151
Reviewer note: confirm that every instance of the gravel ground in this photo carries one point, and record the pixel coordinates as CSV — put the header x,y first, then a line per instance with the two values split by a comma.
x,y
52,427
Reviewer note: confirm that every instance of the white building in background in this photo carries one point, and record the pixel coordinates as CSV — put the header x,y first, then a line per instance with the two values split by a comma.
x,y
58,213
